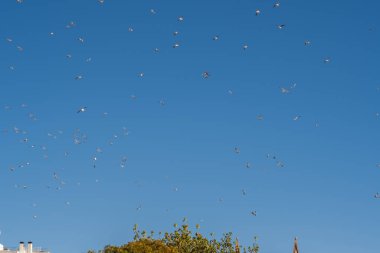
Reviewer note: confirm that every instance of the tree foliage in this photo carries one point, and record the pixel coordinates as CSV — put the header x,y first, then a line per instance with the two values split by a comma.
x,y
181,240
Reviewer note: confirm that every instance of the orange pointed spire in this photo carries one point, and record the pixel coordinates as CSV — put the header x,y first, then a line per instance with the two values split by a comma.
x,y
295,248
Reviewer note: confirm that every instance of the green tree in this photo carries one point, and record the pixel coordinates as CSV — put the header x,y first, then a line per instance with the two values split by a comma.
x,y
181,240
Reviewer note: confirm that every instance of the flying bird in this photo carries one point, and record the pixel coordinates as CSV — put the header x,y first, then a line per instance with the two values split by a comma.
x,y
205,74
82,109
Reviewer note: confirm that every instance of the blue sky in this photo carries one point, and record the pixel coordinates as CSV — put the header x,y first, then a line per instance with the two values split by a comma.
x,y
180,152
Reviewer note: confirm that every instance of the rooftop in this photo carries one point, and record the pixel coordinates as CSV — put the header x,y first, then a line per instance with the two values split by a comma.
x,y
23,248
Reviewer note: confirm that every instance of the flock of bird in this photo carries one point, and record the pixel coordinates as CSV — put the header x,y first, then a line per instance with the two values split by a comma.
x,y
79,137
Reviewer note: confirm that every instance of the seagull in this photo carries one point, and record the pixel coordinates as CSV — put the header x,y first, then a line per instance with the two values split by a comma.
x,y
205,74
296,117
287,90
245,46
307,43
282,26
257,12
123,162
327,60
162,102
284,90
94,159
276,5
175,45
32,116
125,131
254,213
377,195
237,150
215,38
82,109
181,18
71,24
175,33
79,77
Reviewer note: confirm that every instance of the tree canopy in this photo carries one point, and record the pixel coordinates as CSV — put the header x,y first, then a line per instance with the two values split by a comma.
x,y
181,240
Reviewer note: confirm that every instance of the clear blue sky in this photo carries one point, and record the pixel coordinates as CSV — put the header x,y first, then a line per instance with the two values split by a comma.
x,y
180,155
